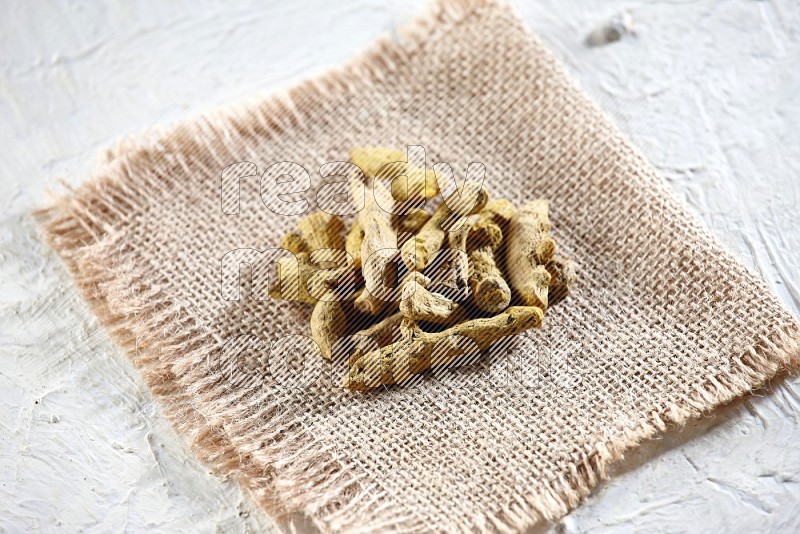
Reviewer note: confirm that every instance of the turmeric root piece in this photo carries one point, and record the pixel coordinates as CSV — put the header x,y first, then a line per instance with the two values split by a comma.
x,y
489,288
499,210
417,253
411,222
421,183
419,304
534,219
316,231
420,350
562,278
459,262
292,279
296,277
528,249
294,243
492,223
353,242
471,199
379,235
378,335
372,159
322,230
328,324
536,287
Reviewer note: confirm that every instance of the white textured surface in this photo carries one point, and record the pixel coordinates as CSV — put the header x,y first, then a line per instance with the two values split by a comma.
x,y
709,90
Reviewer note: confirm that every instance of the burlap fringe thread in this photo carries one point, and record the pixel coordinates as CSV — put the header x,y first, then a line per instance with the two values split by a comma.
x,y
320,485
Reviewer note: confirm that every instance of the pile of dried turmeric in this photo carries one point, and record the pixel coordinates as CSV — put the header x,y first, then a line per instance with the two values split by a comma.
x,y
393,309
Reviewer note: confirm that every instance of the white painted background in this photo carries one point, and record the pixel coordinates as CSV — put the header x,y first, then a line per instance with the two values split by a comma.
x,y
709,90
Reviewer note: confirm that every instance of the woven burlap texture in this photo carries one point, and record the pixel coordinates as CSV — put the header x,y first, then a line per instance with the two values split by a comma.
x,y
664,324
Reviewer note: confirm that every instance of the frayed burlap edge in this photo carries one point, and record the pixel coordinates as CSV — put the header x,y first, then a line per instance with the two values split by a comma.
x,y
287,477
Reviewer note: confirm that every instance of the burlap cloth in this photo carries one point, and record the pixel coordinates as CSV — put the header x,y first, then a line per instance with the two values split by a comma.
x,y
663,326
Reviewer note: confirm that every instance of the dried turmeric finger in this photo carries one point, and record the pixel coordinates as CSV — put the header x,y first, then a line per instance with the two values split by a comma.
x,y
418,182
499,210
411,222
378,335
534,217
379,237
528,249
459,265
490,290
299,280
353,242
419,304
417,253
470,199
328,324
322,230
492,223
562,278
294,243
372,159
292,279
420,350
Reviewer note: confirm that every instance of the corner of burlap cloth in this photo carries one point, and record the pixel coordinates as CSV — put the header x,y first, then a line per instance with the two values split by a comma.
x,y
664,324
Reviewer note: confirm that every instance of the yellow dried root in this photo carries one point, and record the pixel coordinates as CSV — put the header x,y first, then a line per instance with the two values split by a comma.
x,y
562,278
419,304
317,231
379,235
294,243
420,183
458,263
528,249
490,290
321,230
378,335
328,324
420,350
469,200
499,211
532,224
411,222
408,224
299,280
492,224
353,242
417,253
